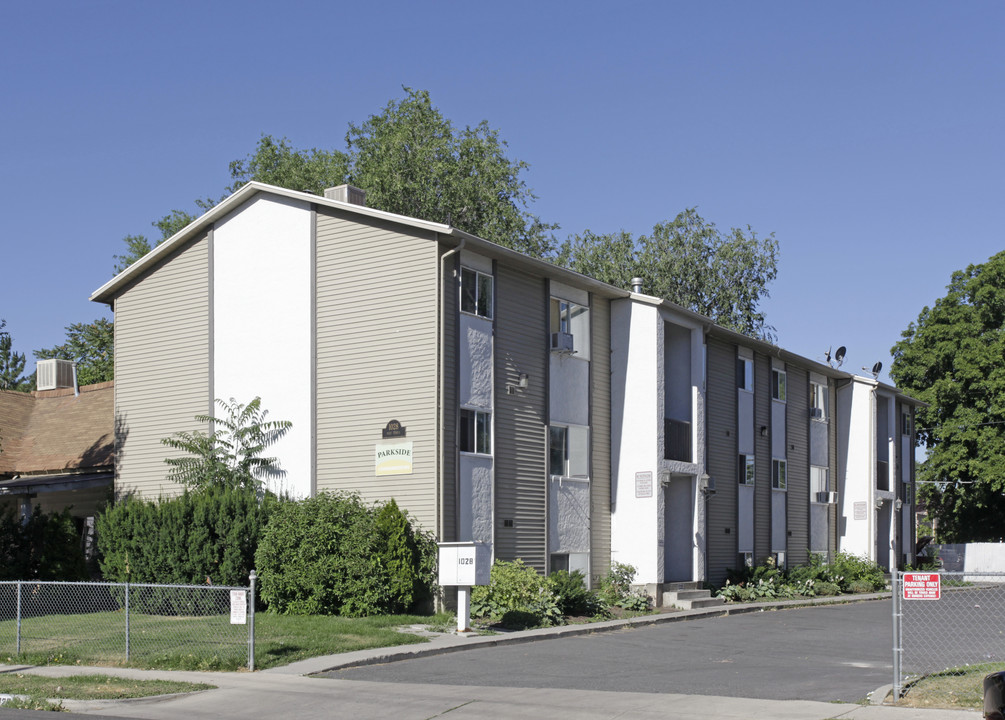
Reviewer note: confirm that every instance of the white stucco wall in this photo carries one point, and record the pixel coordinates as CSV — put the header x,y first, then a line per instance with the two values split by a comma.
x,y
569,515
475,499
262,318
635,526
475,360
569,384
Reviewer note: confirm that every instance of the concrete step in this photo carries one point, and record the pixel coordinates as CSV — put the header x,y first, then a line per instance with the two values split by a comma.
x,y
689,599
702,603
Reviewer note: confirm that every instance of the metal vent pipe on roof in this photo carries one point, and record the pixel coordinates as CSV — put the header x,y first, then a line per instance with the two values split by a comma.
x,y
637,285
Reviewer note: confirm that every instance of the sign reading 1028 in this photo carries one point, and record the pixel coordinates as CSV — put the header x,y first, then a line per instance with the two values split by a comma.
x,y
464,564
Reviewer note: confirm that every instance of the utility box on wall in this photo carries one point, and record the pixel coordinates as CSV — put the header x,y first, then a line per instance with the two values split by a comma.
x,y
464,564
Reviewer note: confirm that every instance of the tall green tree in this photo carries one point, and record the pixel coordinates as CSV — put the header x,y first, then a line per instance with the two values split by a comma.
x,y
411,160
953,358
689,261
11,364
91,346
231,454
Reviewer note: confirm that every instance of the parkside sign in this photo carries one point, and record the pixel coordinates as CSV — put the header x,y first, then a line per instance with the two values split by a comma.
x,y
922,586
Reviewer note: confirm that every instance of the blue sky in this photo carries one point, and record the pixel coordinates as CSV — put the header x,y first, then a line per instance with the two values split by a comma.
x,y
867,136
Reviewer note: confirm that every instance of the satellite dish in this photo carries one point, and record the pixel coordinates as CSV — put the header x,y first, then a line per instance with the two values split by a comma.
x,y
876,368
839,355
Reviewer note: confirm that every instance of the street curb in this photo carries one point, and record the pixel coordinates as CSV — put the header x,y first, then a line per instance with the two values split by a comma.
x,y
452,644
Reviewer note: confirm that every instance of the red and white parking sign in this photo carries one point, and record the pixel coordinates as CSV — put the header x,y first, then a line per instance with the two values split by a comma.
x,y
922,586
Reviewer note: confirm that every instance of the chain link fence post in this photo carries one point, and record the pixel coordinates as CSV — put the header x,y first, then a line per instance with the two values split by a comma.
x,y
251,621
127,621
898,648
18,651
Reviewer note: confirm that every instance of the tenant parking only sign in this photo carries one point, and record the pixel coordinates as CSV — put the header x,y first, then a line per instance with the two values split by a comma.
x,y
922,586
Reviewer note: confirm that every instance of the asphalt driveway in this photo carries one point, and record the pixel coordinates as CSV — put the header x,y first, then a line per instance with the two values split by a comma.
x,y
829,653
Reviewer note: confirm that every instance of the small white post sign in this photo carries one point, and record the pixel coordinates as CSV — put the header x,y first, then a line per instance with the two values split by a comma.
x,y
238,607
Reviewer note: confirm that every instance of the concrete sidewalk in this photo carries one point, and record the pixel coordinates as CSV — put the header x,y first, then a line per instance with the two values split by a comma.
x,y
290,691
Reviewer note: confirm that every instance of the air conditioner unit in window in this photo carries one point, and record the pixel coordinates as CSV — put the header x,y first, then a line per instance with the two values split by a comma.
x,y
817,413
830,498
746,559
561,343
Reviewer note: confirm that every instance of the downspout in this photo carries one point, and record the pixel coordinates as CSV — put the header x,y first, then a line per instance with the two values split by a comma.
x,y
439,402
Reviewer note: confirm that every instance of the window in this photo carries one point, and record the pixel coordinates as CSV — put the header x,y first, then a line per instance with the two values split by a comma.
x,y
476,293
778,385
475,432
558,450
818,482
745,374
905,423
568,451
746,466
572,319
778,479
818,401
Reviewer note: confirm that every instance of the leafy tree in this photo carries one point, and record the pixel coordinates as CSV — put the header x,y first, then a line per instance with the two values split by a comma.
x,y
11,364
410,160
231,453
690,262
91,346
276,162
953,358
139,245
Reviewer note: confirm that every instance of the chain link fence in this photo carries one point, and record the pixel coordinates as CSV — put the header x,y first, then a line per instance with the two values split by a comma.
x,y
96,623
946,621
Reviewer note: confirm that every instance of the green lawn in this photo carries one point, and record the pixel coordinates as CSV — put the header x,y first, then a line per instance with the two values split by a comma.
x,y
196,643
953,688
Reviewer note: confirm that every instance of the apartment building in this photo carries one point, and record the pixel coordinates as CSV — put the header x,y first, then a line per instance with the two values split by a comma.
x,y
497,397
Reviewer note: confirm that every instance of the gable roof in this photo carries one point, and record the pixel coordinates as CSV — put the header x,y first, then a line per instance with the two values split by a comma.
x,y
53,431
108,292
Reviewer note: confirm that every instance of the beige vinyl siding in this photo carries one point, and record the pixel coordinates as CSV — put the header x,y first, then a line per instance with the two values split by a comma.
x,y
521,418
762,457
449,373
720,409
162,367
377,357
600,422
798,464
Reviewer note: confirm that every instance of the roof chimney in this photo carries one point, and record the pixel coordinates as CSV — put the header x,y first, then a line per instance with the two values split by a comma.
x,y
347,194
637,285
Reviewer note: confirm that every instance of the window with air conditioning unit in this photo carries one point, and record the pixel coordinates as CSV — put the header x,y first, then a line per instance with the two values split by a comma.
x,y
818,401
570,328
827,498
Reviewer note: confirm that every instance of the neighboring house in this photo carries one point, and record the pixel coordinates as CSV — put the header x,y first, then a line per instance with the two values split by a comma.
x,y
490,393
57,449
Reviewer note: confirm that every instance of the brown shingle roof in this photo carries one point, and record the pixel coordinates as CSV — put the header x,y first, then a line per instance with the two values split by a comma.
x,y
54,430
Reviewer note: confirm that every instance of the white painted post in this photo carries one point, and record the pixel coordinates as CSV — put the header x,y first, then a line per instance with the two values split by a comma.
x,y
463,609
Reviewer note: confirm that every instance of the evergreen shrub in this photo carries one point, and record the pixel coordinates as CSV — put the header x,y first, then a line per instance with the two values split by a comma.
x,y
207,536
333,554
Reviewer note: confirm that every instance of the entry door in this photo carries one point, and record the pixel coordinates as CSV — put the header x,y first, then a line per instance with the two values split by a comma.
x,y
678,518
